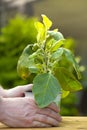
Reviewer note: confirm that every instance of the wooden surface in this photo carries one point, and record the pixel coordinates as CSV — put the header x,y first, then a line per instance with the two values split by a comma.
x,y
68,123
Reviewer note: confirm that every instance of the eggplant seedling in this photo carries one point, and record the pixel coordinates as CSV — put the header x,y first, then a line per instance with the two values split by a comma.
x,y
55,68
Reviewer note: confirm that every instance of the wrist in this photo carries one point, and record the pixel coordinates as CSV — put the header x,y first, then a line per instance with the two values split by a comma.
x,y
1,109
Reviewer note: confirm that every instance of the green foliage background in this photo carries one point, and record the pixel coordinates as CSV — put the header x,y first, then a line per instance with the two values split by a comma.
x,y
18,33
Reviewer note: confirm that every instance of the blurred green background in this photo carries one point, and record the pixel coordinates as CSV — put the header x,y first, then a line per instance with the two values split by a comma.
x,y
17,30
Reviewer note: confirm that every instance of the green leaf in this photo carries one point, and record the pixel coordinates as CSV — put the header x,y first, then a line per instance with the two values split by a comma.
x,y
56,35
27,50
22,65
65,93
31,65
45,88
47,22
41,31
23,71
35,61
70,57
49,43
26,63
67,80
57,45
57,54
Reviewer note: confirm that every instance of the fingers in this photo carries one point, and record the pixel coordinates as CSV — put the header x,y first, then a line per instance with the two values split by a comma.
x,y
27,87
38,124
50,113
46,120
54,107
19,90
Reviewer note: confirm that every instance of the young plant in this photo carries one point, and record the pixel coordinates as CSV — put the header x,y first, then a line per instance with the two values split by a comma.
x,y
54,67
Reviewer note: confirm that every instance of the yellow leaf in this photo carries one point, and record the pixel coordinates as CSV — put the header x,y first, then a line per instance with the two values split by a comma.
x,y
47,22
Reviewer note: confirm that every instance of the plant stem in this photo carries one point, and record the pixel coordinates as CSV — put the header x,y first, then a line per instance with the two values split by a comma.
x,y
45,55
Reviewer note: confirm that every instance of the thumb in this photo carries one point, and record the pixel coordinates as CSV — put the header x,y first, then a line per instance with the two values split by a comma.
x,y
27,87
19,90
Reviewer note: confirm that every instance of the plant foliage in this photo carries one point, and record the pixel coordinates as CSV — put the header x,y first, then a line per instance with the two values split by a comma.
x,y
55,68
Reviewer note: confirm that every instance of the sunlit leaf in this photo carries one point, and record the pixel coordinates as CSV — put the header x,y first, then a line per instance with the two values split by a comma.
x,y
49,43
23,71
57,44
39,26
67,80
65,93
41,31
47,22
45,88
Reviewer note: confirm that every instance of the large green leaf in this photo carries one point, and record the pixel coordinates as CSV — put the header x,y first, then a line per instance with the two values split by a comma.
x,y
45,88
67,80
70,57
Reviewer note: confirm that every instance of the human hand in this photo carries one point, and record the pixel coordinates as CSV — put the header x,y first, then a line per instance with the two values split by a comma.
x,y
23,112
18,91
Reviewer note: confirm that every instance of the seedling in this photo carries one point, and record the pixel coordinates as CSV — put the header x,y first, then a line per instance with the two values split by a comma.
x,y
54,67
